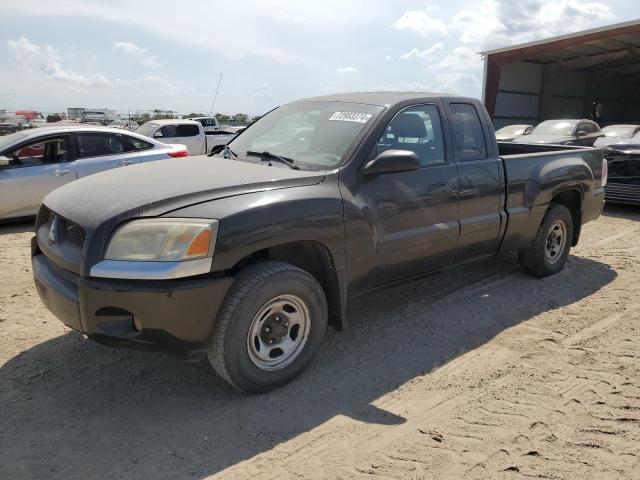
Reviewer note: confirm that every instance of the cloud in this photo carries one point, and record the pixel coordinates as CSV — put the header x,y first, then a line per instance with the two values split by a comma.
x,y
429,52
344,70
495,23
263,92
45,63
460,58
388,58
33,59
285,17
459,83
420,22
140,53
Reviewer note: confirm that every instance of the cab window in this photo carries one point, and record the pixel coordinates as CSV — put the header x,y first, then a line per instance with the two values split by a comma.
x,y
468,134
188,131
417,129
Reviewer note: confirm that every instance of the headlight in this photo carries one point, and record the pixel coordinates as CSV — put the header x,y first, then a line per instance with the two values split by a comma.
x,y
163,240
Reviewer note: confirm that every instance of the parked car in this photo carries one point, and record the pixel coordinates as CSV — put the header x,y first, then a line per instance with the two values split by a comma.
x,y
617,134
7,127
246,257
564,132
35,162
188,132
510,132
130,125
209,124
624,171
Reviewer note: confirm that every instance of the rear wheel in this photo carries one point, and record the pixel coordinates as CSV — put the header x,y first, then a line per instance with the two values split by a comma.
x,y
269,328
550,247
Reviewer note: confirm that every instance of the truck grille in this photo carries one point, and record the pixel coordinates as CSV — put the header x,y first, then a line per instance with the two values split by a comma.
x,y
69,231
622,193
72,232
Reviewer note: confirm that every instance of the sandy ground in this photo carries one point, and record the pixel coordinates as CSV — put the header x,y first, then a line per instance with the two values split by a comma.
x,y
479,372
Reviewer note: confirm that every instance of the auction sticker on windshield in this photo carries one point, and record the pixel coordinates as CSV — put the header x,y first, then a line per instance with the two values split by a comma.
x,y
351,117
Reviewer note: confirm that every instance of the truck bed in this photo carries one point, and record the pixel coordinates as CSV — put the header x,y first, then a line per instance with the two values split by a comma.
x,y
534,172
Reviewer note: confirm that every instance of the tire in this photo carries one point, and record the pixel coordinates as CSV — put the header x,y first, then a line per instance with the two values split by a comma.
x,y
538,260
239,350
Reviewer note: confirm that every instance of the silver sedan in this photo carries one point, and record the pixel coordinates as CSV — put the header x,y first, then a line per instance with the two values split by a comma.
x,y
35,162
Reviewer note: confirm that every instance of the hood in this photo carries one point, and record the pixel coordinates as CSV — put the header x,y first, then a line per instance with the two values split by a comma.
x,y
155,188
506,137
604,141
550,139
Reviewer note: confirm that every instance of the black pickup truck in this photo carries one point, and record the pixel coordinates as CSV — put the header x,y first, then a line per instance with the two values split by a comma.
x,y
247,255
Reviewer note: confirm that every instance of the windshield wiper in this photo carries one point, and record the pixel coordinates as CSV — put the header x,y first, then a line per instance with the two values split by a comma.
x,y
268,156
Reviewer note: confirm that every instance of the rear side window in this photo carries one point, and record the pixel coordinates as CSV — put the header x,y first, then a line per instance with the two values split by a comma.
x,y
100,144
135,144
188,130
468,134
208,122
591,128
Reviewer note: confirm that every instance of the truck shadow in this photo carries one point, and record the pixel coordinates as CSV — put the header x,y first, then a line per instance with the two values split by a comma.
x,y
628,212
74,409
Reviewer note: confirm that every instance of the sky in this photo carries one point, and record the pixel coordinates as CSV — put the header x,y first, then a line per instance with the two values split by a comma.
x,y
140,55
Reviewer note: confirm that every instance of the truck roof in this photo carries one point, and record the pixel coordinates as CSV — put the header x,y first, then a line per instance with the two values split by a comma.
x,y
171,121
382,99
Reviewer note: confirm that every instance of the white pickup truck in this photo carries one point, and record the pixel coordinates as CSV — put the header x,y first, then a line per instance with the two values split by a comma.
x,y
186,132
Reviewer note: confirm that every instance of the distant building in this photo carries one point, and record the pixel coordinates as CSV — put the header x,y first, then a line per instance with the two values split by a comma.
x,y
91,114
28,114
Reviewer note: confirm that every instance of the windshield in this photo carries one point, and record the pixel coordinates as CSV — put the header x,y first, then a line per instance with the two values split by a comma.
x,y
315,135
555,127
9,139
619,131
147,129
513,129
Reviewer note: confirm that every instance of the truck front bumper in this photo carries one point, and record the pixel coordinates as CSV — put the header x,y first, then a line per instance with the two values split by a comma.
x,y
169,316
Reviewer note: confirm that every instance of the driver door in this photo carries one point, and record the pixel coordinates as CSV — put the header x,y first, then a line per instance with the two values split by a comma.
x,y
413,215
36,168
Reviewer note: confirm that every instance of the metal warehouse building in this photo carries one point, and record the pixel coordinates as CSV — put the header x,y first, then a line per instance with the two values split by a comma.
x,y
567,77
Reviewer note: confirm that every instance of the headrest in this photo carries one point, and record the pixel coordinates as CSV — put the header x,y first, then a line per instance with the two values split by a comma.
x,y
408,125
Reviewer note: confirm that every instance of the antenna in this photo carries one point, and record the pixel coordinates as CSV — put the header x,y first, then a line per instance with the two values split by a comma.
x,y
216,95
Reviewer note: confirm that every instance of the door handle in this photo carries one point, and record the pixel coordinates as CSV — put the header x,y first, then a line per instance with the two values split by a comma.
x,y
59,173
468,192
124,163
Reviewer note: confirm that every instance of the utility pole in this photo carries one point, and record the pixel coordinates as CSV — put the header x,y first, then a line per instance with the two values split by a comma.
x,y
216,95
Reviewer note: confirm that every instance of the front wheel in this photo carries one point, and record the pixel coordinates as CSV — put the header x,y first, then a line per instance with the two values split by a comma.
x,y
550,247
271,325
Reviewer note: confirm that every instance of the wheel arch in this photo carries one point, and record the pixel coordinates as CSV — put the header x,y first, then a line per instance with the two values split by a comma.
x,y
314,258
572,199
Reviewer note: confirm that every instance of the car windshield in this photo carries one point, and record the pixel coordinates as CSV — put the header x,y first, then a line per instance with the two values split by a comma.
x,y
619,131
512,129
555,127
147,129
9,139
315,135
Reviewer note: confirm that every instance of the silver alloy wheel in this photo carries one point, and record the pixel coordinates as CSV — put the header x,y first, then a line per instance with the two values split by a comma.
x,y
278,332
556,242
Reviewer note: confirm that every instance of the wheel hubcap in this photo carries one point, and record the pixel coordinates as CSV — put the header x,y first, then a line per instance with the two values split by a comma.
x,y
278,332
556,242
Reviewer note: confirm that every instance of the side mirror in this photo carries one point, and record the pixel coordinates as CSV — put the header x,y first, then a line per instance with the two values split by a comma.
x,y
581,133
158,134
392,161
4,162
